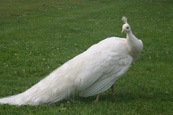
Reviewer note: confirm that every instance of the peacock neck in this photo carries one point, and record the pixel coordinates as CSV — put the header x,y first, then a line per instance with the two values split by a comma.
x,y
130,36
133,45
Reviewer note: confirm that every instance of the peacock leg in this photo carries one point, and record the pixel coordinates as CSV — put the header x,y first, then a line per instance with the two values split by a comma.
x,y
97,98
112,88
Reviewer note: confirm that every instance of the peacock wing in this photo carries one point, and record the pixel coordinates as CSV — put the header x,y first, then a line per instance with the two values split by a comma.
x,y
104,76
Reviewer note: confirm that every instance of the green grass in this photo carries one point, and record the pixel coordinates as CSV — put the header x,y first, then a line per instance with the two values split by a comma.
x,y
38,36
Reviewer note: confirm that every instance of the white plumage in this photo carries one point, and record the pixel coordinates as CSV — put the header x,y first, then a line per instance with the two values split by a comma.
x,y
91,72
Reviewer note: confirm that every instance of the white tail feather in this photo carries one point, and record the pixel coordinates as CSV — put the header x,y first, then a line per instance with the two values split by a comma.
x,y
53,88
59,85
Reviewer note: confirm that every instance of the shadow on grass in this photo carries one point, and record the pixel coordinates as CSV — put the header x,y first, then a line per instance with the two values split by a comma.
x,y
122,98
119,98
126,97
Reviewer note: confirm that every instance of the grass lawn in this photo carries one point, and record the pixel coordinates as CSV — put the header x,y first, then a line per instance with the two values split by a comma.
x,y
37,36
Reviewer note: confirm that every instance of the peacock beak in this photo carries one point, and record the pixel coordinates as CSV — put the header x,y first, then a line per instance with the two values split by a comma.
x,y
122,31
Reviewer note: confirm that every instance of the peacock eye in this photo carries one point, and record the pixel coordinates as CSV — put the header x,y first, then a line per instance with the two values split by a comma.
x,y
127,27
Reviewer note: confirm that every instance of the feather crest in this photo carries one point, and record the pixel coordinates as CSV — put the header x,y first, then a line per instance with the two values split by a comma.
x,y
124,19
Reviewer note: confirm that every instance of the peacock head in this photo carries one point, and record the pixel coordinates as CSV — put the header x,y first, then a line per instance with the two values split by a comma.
x,y
126,27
